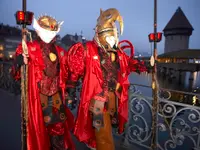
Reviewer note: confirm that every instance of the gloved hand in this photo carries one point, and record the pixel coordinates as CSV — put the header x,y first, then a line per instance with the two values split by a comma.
x,y
138,71
71,98
22,59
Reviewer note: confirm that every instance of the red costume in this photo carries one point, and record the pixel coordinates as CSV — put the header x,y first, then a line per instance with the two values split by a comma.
x,y
105,80
49,120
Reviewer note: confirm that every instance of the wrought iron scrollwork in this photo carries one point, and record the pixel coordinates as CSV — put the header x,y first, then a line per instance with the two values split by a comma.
x,y
178,123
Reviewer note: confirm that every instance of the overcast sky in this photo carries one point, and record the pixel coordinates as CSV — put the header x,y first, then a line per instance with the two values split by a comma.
x,y
82,14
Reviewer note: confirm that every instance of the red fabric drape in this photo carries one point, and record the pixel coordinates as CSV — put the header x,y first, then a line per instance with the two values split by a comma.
x,y
37,136
92,85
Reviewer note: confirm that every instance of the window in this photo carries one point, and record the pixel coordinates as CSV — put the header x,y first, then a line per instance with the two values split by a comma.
x,y
13,41
9,46
1,55
1,47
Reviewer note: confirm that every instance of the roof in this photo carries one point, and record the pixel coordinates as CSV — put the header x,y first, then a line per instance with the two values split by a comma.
x,y
188,54
178,21
10,31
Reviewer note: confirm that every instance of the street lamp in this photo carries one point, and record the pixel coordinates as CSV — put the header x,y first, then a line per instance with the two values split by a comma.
x,y
157,37
1,51
1,47
154,37
24,18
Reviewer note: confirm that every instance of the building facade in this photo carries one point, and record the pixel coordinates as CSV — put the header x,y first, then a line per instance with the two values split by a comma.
x,y
68,40
10,37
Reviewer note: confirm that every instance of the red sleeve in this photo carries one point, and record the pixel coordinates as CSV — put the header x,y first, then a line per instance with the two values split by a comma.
x,y
137,66
63,64
75,62
19,50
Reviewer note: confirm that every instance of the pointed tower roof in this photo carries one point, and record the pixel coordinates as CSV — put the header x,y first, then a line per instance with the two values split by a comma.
x,y
178,21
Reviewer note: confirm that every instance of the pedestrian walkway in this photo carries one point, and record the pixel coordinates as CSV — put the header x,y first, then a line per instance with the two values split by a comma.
x,y
10,138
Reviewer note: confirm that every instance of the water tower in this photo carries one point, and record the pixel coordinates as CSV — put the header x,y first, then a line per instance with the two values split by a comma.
x,y
177,32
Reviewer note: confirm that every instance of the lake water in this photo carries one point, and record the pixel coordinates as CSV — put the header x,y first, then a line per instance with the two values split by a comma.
x,y
165,82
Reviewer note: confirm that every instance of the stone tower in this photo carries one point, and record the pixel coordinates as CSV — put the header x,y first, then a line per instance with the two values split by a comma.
x,y
177,32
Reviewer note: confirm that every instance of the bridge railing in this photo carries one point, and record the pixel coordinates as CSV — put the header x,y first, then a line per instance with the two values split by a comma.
x,y
178,125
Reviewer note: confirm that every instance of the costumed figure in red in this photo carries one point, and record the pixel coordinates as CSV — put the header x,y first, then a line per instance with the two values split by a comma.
x,y
49,120
104,68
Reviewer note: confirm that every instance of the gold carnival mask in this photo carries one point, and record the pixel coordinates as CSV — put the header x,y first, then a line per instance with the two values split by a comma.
x,y
48,23
106,30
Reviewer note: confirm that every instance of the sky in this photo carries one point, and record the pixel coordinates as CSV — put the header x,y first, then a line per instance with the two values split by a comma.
x,y
81,15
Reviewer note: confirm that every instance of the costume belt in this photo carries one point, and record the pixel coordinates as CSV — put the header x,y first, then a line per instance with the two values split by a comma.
x,y
98,106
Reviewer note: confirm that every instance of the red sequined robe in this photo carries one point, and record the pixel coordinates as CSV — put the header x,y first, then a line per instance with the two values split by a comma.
x,y
85,62
37,136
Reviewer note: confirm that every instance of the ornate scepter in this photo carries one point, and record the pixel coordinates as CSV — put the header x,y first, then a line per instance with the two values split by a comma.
x,y
24,18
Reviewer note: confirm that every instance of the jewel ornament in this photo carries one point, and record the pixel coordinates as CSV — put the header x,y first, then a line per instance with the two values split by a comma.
x,y
52,57
152,61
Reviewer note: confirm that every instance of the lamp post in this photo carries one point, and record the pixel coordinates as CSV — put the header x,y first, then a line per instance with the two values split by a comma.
x,y
24,18
24,82
154,37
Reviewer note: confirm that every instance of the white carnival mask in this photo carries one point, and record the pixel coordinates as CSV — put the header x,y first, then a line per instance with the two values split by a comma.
x,y
46,35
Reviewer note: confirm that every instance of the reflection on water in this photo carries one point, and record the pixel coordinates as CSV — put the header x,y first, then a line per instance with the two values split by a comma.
x,y
143,79
189,82
186,85
174,84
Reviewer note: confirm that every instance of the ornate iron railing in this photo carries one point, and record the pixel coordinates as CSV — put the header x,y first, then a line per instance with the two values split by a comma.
x,y
178,125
